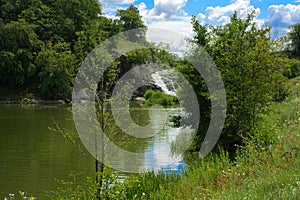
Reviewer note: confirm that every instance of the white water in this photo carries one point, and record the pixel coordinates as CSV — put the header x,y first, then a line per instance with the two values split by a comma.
x,y
158,80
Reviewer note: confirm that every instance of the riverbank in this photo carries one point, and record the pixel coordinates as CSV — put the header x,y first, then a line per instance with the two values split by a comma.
x,y
32,101
267,167
20,96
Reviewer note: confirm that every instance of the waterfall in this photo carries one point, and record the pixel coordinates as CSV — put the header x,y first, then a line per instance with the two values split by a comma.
x,y
163,80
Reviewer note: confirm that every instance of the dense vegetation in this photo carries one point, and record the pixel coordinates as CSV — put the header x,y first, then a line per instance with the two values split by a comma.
x,y
267,167
44,42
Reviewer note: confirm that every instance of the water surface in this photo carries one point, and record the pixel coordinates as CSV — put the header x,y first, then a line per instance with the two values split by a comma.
x,y
32,157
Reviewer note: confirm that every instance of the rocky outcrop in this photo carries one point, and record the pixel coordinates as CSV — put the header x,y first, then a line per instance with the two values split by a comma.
x,y
142,90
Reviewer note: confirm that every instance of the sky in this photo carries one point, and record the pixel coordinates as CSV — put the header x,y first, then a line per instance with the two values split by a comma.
x,y
176,15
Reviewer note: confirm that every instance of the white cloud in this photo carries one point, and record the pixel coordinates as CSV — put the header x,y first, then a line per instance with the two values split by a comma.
x,y
180,25
169,7
117,1
109,7
221,15
167,14
163,10
282,16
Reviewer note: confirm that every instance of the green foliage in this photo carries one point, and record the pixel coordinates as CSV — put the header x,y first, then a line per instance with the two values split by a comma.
x,y
43,42
92,34
54,20
157,97
146,56
202,36
19,46
294,89
294,36
251,74
26,26
131,19
291,68
140,57
245,64
284,185
56,64
267,167
72,189
295,70
10,9
195,79
41,16
70,16
21,195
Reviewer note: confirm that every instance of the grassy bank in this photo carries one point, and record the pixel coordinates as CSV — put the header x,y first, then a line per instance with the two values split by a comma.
x,y
268,167
157,97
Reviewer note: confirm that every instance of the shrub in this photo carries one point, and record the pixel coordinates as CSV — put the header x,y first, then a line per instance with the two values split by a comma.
x,y
157,97
295,70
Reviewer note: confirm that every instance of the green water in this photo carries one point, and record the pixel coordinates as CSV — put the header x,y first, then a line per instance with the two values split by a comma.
x,y
32,157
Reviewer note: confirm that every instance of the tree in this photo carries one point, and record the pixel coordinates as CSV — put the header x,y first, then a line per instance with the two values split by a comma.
x,y
243,55
201,90
19,46
201,33
294,36
43,19
72,15
10,9
93,34
130,19
56,65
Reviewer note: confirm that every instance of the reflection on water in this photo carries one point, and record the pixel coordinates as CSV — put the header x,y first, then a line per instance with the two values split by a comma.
x,y
162,151
159,152
32,157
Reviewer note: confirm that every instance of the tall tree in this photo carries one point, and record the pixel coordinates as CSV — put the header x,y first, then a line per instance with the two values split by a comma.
x,y
72,15
56,66
243,54
201,33
294,36
130,18
19,45
10,9
93,34
42,17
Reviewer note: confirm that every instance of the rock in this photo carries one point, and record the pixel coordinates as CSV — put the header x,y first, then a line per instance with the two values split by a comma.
x,y
140,99
142,90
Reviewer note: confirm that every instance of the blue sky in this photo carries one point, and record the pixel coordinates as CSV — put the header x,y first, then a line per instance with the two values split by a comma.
x,y
176,14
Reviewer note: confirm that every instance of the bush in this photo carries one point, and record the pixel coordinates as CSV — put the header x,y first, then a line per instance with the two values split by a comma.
x,y
148,94
157,97
56,65
292,70
295,70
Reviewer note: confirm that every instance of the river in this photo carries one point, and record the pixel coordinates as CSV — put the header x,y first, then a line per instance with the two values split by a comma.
x,y
32,157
